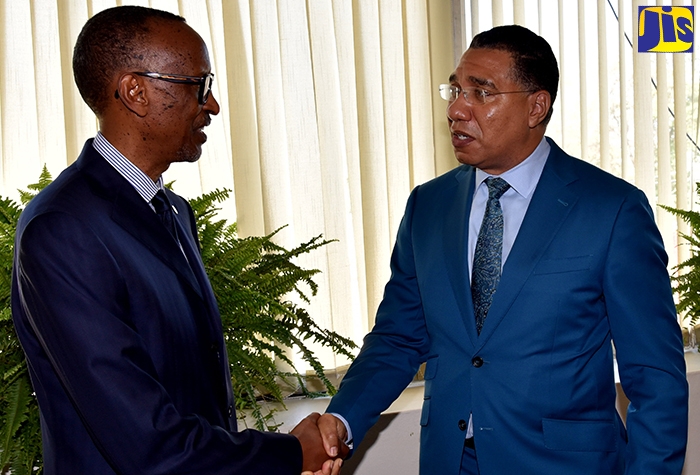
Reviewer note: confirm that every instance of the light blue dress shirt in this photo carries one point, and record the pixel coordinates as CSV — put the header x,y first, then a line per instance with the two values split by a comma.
x,y
523,179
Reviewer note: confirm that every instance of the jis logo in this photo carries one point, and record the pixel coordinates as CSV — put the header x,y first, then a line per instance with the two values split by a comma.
x,y
665,30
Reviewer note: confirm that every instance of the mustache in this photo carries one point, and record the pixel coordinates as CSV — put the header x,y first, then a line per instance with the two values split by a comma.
x,y
206,122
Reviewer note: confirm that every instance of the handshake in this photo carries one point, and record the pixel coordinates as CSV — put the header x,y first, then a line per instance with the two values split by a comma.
x,y
322,439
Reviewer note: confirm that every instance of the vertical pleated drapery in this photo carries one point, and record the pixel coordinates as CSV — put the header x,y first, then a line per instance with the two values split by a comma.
x,y
330,114
329,117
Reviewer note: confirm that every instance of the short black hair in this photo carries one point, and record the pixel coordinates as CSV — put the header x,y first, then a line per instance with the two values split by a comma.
x,y
111,41
534,64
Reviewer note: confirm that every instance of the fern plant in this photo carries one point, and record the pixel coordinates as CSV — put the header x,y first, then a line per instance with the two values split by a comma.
x,y
20,437
686,275
253,279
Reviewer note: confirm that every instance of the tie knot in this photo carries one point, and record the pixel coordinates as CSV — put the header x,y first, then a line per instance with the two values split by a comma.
x,y
164,210
497,186
160,202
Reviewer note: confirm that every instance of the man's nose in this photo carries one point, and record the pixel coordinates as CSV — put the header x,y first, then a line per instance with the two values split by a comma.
x,y
459,109
212,106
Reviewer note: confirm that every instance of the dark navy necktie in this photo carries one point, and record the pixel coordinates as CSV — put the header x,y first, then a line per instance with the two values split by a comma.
x,y
486,268
164,210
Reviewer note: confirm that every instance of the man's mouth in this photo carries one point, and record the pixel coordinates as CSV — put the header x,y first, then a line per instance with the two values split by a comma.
x,y
460,139
206,123
200,131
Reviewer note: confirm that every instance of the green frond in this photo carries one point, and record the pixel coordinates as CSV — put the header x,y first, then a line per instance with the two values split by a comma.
x,y
686,275
17,398
44,180
253,279
20,433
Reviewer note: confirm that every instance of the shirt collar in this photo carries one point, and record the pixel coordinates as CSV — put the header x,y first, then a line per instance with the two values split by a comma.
x,y
143,184
524,176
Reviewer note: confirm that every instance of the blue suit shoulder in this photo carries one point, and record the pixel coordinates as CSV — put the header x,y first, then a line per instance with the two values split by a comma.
x,y
579,174
450,179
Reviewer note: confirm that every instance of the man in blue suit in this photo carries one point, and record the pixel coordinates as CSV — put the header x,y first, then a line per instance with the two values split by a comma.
x,y
110,298
519,374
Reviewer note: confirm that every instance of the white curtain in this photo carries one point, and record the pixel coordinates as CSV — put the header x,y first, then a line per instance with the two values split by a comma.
x,y
331,108
329,118
330,114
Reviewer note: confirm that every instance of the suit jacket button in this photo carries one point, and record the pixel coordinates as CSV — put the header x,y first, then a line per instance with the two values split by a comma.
x,y
477,362
462,424
230,411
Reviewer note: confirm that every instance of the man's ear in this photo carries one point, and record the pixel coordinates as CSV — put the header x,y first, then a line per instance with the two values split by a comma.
x,y
540,102
131,92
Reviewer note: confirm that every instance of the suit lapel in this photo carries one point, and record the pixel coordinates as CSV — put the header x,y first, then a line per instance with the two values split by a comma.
x,y
455,233
133,214
186,229
551,203
144,225
194,258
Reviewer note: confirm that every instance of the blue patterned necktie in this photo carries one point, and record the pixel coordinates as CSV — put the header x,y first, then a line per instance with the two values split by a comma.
x,y
486,268
164,210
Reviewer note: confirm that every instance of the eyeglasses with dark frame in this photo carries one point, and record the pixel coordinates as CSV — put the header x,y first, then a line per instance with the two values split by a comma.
x,y
474,95
204,82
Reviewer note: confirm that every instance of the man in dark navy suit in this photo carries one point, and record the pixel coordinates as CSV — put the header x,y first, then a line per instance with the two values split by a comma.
x,y
110,298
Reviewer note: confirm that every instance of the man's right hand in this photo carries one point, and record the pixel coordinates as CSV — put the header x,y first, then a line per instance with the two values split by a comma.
x,y
334,434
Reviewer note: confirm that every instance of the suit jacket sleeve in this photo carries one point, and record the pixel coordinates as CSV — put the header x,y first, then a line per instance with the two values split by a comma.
x,y
648,342
73,290
393,351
